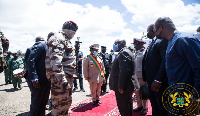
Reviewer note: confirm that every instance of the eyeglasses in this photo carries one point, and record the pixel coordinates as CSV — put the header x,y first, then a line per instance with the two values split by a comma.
x,y
156,29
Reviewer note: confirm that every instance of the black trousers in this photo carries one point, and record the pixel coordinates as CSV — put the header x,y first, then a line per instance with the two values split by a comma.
x,y
104,86
156,101
125,103
39,99
80,81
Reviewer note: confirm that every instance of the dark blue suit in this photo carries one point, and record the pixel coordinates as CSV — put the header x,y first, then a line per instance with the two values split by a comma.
x,y
36,70
153,68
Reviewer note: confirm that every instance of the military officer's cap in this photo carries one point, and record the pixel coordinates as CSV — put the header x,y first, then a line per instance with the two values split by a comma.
x,y
95,46
9,52
139,41
70,25
103,46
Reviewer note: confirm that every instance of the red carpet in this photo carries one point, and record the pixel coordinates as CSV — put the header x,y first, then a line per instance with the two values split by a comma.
x,y
107,108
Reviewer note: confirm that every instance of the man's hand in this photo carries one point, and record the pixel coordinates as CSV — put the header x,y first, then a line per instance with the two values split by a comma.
x,y
155,86
36,84
121,91
104,80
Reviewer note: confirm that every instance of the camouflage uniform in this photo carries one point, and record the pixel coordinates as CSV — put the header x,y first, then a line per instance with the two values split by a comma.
x,y
60,68
15,64
6,71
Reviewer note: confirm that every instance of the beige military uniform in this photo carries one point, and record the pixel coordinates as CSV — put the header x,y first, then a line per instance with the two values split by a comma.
x,y
138,73
60,68
92,74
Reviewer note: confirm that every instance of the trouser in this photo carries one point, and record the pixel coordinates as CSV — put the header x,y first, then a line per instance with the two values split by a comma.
x,y
80,81
141,102
95,89
16,81
158,108
7,76
39,99
124,103
61,96
104,86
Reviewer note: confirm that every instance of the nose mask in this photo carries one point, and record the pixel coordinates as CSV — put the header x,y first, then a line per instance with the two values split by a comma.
x,y
115,48
95,53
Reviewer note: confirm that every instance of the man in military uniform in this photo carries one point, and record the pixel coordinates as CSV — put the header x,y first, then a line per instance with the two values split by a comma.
x,y
60,67
80,58
139,47
15,63
105,57
8,78
93,70
4,45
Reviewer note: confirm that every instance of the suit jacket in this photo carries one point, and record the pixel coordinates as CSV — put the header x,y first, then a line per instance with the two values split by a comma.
x,y
153,63
91,71
105,58
36,62
122,72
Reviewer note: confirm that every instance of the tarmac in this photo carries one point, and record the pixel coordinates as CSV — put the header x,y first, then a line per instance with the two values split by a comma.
x,y
17,102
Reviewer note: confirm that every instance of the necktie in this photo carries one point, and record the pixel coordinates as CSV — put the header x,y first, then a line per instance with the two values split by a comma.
x,y
149,47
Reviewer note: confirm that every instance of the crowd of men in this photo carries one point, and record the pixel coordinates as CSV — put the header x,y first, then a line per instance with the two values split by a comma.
x,y
170,58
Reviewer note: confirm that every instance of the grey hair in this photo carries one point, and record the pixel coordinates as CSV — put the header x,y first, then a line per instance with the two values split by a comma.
x,y
165,21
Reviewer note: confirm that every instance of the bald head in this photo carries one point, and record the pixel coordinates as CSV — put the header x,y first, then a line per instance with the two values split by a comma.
x,y
150,31
198,29
165,22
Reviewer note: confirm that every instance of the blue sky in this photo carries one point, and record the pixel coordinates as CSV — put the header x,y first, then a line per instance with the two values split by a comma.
x,y
99,21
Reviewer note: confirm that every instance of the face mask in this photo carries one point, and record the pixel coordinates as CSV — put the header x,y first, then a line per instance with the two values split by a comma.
x,y
115,48
112,53
95,53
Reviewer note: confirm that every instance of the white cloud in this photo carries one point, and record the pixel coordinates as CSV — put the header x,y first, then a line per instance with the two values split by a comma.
x,y
23,20
145,12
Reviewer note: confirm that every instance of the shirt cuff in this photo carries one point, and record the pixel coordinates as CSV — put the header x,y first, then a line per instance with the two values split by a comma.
x,y
34,80
157,81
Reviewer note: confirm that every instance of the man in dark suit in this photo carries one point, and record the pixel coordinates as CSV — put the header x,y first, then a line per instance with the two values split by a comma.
x,y
39,85
105,58
122,79
153,71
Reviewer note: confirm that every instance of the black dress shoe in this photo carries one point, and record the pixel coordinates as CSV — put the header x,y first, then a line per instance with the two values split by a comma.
x,y
144,112
82,90
94,102
138,109
98,101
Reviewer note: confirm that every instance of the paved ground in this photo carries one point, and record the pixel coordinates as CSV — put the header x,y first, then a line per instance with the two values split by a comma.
x,y
17,102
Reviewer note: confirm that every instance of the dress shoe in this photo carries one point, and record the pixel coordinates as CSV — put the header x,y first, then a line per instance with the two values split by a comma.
x,y
138,109
103,93
82,90
94,102
75,89
143,112
98,101
20,87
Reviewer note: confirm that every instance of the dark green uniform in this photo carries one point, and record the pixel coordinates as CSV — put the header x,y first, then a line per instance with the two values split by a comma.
x,y
15,64
8,78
